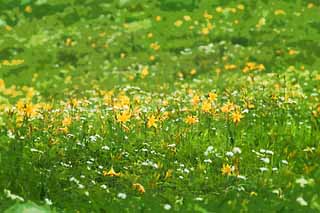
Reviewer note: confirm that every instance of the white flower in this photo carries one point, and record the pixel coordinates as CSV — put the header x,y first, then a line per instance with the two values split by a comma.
x,y
198,199
48,202
12,196
284,162
269,152
301,201
208,151
302,181
263,169
265,160
242,177
103,186
236,150
262,150
207,161
122,195
229,154
167,206
105,148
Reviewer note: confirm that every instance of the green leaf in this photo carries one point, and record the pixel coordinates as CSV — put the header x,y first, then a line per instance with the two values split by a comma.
x,y
24,2
139,25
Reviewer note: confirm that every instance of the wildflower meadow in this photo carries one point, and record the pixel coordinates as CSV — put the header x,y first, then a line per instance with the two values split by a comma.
x,y
159,106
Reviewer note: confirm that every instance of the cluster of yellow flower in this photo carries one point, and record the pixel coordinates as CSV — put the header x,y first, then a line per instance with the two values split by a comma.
x,y
251,66
12,62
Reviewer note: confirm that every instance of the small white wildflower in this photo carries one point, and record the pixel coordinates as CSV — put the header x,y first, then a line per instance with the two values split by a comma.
x,y
12,196
262,150
103,186
245,111
167,206
229,154
80,186
265,160
122,195
284,162
172,145
36,150
10,135
198,199
236,150
274,169
208,151
48,201
207,161
302,201
302,181
269,152
86,193
105,148
263,169
242,177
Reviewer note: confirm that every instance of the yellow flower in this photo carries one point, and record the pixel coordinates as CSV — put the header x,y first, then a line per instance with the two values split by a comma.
x,y
68,42
310,5
240,6
144,72
187,18
236,117
139,187
261,22
230,67
158,18
195,100
212,96
2,85
123,117
178,23
168,174
152,58
205,31
122,55
227,107
193,72
28,9
150,35
206,106
8,28
111,173
152,122
293,52
67,121
226,169
207,16
253,193
279,12
219,9
191,120
30,110
155,46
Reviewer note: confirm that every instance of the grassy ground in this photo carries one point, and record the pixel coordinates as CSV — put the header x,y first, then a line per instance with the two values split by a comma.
x,y
153,106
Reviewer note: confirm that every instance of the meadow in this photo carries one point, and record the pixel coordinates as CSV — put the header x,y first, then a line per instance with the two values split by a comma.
x,y
159,106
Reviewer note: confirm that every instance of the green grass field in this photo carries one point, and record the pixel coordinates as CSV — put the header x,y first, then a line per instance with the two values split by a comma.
x,y
159,106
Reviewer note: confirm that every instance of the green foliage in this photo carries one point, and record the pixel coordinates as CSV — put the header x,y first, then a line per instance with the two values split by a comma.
x,y
147,106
